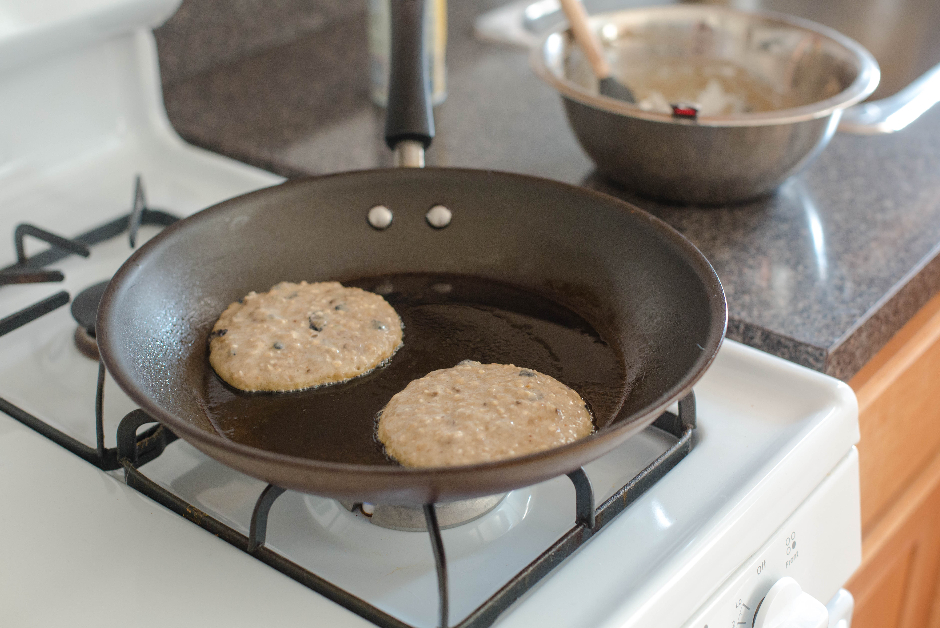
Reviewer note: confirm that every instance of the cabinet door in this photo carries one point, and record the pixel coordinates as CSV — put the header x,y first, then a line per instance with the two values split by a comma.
x,y
897,585
899,417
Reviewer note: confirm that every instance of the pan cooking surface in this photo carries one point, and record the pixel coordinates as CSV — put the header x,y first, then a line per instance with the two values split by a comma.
x,y
447,319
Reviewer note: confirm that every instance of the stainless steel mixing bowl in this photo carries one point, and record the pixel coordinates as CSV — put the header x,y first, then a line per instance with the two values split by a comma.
x,y
783,82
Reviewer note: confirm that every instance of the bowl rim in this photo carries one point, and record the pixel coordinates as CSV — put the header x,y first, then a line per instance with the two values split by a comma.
x,y
864,84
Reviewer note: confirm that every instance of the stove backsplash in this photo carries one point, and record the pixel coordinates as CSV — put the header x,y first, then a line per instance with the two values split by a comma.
x,y
204,34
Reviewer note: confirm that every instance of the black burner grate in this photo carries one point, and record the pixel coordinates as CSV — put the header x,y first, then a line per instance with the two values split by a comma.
x,y
32,270
134,451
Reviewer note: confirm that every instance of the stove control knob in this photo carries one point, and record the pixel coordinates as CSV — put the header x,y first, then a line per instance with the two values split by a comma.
x,y
787,606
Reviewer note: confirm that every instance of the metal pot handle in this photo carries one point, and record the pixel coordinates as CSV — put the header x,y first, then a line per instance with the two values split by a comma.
x,y
409,121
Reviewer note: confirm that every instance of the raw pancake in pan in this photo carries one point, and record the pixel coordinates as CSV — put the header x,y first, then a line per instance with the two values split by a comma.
x,y
473,413
301,335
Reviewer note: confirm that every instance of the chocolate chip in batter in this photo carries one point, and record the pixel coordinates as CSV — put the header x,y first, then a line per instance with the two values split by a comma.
x,y
317,321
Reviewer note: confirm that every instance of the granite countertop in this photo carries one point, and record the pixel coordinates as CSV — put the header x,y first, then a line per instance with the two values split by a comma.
x,y
823,273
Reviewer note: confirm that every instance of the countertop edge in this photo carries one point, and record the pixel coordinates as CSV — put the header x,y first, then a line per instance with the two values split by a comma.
x,y
885,318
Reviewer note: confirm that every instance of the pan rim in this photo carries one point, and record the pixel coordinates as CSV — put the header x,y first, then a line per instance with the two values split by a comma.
x,y
614,434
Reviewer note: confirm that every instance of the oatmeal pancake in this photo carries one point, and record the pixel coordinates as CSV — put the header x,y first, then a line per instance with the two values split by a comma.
x,y
301,335
473,413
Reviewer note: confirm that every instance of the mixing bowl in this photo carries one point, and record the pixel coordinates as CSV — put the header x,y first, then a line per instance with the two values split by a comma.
x,y
729,103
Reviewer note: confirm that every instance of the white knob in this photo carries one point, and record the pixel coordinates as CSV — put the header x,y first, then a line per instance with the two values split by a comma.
x,y
786,606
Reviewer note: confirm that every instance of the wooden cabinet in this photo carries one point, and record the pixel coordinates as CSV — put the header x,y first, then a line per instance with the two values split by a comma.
x,y
898,584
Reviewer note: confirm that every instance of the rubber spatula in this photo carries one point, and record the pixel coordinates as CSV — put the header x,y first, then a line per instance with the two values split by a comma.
x,y
587,39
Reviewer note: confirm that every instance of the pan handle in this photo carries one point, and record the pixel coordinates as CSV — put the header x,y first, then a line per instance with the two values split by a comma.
x,y
409,121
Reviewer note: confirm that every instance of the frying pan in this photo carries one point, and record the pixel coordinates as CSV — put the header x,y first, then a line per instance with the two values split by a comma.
x,y
582,286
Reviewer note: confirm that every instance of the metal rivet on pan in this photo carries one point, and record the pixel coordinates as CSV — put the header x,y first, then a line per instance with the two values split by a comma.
x,y
380,217
439,216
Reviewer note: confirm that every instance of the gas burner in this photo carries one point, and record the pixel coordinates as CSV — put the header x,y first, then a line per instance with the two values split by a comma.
x,y
85,312
411,518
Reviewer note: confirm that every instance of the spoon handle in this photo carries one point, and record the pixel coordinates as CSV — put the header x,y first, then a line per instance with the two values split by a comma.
x,y
578,19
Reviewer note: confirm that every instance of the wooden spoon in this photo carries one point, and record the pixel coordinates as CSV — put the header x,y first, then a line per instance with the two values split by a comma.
x,y
607,84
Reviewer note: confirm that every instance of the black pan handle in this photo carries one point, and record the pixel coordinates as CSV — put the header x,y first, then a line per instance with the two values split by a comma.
x,y
408,113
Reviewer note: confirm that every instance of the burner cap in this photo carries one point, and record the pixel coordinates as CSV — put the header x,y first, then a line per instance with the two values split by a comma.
x,y
85,306
411,518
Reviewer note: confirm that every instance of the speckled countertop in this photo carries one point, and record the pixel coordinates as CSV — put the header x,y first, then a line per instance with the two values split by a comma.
x,y
823,273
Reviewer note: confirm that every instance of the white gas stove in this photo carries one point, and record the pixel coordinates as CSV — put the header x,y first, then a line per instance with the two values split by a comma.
x,y
768,491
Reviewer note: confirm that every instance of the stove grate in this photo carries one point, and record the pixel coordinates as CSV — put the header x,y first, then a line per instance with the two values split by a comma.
x,y
32,270
134,451
64,244
34,311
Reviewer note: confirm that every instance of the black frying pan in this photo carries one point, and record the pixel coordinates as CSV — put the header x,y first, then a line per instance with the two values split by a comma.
x,y
570,282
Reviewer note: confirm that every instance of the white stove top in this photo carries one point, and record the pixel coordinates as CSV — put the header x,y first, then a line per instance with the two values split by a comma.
x,y
759,456
81,545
